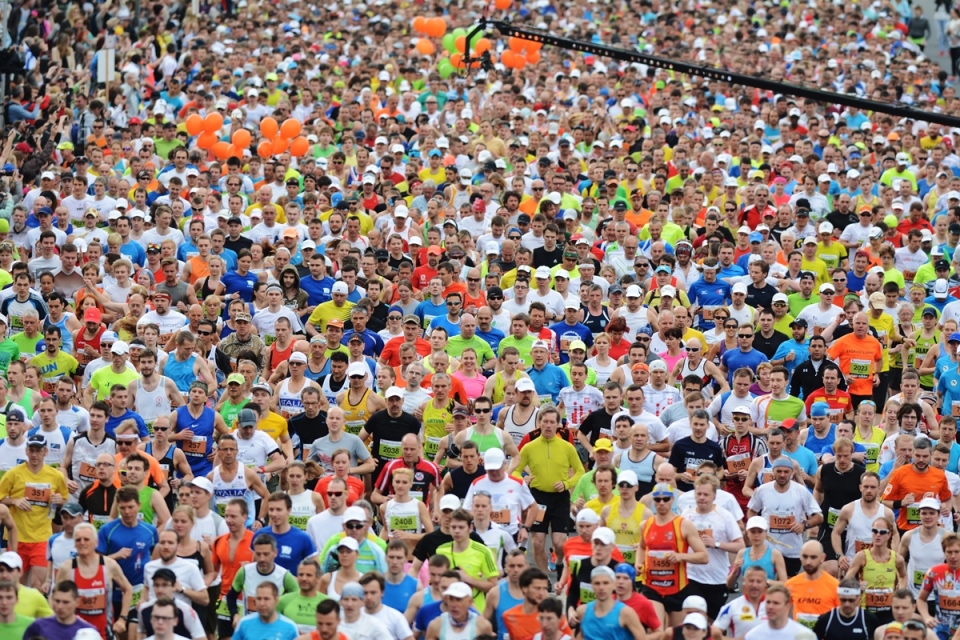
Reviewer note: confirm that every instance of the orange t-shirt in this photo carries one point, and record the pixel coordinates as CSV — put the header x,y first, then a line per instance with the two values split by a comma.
x,y
906,480
155,472
524,626
354,489
857,358
241,556
812,597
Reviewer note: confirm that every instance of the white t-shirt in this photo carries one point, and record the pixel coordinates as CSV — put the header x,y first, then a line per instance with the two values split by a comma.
x,y
793,630
725,529
365,628
783,510
394,621
187,574
324,526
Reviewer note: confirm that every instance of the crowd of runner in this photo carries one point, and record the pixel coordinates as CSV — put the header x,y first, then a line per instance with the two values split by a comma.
x,y
306,332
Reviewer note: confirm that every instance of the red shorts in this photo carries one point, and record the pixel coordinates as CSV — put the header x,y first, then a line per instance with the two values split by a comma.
x,y
33,554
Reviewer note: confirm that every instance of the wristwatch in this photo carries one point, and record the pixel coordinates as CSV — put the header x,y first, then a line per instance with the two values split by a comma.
x,y
716,545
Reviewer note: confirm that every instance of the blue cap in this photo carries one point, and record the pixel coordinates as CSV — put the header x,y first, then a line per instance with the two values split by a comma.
x,y
854,154
663,490
663,269
45,210
819,410
782,462
954,337
9,168
646,330
627,570
756,236
436,153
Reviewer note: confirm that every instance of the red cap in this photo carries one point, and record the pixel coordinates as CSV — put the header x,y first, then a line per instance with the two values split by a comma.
x,y
92,314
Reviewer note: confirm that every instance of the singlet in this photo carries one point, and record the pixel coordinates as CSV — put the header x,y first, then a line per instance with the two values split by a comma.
x,y
66,336
201,445
356,415
328,391
94,600
26,402
643,468
467,632
765,561
923,555
332,587
626,531
151,405
700,371
518,430
923,346
493,440
608,627
181,372
435,423
277,356
603,373
859,531
596,323
499,385
664,577
165,462
881,580
846,629
289,401
80,343
504,604
224,492
253,578
303,509
147,513
839,490
403,516
83,467
872,445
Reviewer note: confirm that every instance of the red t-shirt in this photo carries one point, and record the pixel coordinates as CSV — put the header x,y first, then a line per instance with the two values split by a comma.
x,y
645,611
840,402
354,489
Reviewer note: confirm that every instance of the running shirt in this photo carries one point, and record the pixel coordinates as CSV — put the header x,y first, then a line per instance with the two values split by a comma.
x,y
811,598
905,481
943,585
659,540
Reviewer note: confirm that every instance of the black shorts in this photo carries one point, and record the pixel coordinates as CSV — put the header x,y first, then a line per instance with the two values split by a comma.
x,y
556,512
132,614
672,603
714,594
793,566
824,538
224,621
211,621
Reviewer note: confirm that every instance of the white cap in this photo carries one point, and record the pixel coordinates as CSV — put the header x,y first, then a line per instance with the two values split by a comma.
x,y
493,248
744,230
759,522
202,482
459,590
903,158
739,288
540,344
400,211
585,515
11,559
825,227
450,501
297,356
604,535
629,476
543,273
493,459
397,148
355,514
393,392
339,287
668,291
926,503
826,286
810,240
633,291
120,348
349,543
696,619
780,297
571,304
694,602
525,384
357,369
368,179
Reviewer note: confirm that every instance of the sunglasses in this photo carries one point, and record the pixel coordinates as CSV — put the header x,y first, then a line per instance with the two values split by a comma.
x,y
745,335
662,499
335,494
482,410
161,429
742,419
623,485
880,532
356,377
394,317
354,526
205,333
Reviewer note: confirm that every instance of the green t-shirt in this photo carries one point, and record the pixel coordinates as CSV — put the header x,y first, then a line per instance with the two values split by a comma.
x,y
300,609
229,412
586,489
591,375
9,351
457,344
27,346
18,627
798,303
477,561
523,345
104,378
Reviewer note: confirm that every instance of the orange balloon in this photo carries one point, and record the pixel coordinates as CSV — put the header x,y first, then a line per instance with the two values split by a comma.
x,y
269,127
515,44
195,124
507,57
207,140
460,43
212,123
532,45
241,138
299,147
420,24
221,150
234,152
425,47
502,4
265,149
290,128
533,57
482,45
280,145
436,27
456,60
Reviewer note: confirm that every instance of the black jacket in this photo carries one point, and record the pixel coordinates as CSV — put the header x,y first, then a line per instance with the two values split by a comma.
x,y
807,379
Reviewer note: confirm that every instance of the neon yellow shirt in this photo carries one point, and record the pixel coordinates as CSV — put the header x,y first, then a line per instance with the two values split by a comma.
x,y
33,525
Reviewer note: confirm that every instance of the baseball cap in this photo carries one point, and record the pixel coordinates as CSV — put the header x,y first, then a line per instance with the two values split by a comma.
x,y
248,418
349,543
493,459
393,392
757,522
696,603
357,369
72,509
695,619
926,503
235,378
450,502
877,300
526,384
629,477
603,444
819,410
355,514
604,535
11,559
588,516
201,482
662,490
458,590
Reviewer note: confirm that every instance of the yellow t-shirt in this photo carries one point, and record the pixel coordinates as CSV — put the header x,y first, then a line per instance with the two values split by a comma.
x,y
818,267
31,603
832,255
20,482
327,311
884,328
104,378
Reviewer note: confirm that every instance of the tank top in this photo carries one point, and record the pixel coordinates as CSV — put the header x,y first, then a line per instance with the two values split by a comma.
x,y
224,491
201,445
596,323
205,289
847,629
603,372
499,385
146,509
493,440
435,423
289,402
659,539
403,516
462,480
303,509
332,587
26,402
518,430
504,604
923,555
195,558
150,405
199,268
356,415
277,356
93,602
643,468
253,578
328,391
166,462
881,578
765,561
700,371
83,467
180,372
626,531
872,445
467,632
608,627
94,343
66,336
920,352
859,531
839,490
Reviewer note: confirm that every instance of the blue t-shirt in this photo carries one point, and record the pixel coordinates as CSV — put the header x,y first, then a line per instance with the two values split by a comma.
x,y
708,294
236,283
567,333
801,349
113,423
318,291
427,311
396,596
855,282
452,329
372,342
134,251
493,337
949,387
140,539
251,627
293,547
549,381
805,458
734,359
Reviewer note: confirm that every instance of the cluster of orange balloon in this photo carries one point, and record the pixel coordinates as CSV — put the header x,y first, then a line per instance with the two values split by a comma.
x,y
206,129
433,27
281,138
520,52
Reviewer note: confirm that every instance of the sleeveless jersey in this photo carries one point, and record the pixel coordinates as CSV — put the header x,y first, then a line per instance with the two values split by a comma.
x,y
920,352
403,516
492,440
872,445
626,530
150,405
596,323
252,579
289,402
83,467
838,490
765,561
303,509
467,632
518,430
329,392
643,468
881,578
180,372
94,598
608,627
499,385
356,415
201,445
224,491
504,604
435,423
81,343
923,555
277,355
699,371
660,539
66,336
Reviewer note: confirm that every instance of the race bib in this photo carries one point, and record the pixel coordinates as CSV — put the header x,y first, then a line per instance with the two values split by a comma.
x,y
137,595
541,514
500,516
195,446
738,463
404,523
629,552
860,369
832,515
782,524
872,453
88,472
389,449
878,599
354,426
431,446
38,493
